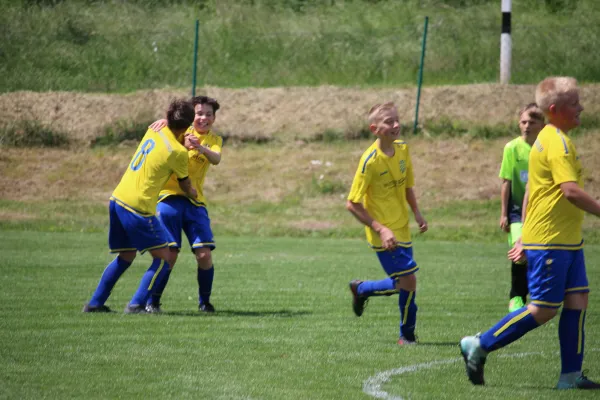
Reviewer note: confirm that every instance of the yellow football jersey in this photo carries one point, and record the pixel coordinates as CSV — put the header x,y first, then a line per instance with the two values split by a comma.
x,y
552,221
380,184
158,156
198,167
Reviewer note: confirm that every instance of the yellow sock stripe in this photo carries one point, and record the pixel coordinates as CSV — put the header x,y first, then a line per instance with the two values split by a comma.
x,y
580,332
410,296
384,292
162,263
512,321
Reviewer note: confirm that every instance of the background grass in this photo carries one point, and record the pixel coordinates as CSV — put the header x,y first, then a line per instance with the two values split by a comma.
x,y
106,46
283,327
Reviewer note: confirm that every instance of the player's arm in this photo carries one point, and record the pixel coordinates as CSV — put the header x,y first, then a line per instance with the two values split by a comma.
x,y
525,204
579,198
516,253
506,169
564,173
186,185
157,125
191,142
504,196
388,240
411,199
212,156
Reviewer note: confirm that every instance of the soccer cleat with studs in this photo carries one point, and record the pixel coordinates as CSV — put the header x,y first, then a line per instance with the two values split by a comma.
x,y
153,308
474,357
96,309
582,382
406,342
134,309
358,302
206,308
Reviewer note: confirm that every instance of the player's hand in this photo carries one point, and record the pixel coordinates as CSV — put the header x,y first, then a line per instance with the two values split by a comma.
x,y
191,142
504,225
158,125
517,254
388,240
422,223
193,193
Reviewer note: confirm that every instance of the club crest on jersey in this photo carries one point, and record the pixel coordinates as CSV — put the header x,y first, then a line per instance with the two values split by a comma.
x,y
402,166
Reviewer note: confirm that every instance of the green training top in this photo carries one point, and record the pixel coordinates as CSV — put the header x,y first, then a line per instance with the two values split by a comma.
x,y
515,167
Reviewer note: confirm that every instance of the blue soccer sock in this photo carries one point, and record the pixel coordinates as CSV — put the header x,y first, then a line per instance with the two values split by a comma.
x,y
205,282
110,276
408,314
159,287
510,328
571,335
155,273
384,287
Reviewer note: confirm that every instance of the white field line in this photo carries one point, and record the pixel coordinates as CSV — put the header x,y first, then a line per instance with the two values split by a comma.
x,y
373,385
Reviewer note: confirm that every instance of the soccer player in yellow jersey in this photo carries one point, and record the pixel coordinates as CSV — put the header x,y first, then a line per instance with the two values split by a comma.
x,y
179,212
381,193
133,224
552,242
514,173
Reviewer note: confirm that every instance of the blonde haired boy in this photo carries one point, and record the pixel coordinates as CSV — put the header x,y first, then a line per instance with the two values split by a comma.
x,y
381,193
514,173
552,242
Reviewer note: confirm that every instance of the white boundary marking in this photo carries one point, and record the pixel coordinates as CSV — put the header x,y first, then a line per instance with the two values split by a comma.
x,y
373,385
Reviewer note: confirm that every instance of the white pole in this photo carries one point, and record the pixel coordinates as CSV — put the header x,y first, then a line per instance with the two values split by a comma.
x,y
505,43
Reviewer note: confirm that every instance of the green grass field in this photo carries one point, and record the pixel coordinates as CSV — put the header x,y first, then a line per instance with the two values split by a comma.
x,y
110,46
283,328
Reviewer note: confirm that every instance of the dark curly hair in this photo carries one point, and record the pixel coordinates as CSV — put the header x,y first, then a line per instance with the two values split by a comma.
x,y
180,114
206,100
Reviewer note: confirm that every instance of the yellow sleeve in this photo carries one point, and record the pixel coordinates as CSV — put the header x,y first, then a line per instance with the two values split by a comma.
x,y
216,147
561,160
179,163
410,178
360,184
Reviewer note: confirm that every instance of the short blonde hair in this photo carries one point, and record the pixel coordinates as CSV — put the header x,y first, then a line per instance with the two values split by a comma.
x,y
376,112
552,90
533,111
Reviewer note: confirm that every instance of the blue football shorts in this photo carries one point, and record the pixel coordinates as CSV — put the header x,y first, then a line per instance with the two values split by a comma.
x,y
398,262
552,274
177,213
129,231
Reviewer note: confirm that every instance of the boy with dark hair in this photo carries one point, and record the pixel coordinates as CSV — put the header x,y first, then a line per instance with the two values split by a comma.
x,y
133,224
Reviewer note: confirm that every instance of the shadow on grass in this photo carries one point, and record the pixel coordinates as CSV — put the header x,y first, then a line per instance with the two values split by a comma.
x,y
448,344
234,313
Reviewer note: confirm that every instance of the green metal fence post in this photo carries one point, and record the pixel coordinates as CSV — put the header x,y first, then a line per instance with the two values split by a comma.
x,y
420,80
195,65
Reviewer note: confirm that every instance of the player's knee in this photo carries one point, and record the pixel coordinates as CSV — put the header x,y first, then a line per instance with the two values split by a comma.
x,y
542,314
127,256
172,258
407,282
576,301
203,258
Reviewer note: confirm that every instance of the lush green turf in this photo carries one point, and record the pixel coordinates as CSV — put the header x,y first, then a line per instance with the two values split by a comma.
x,y
107,46
284,326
